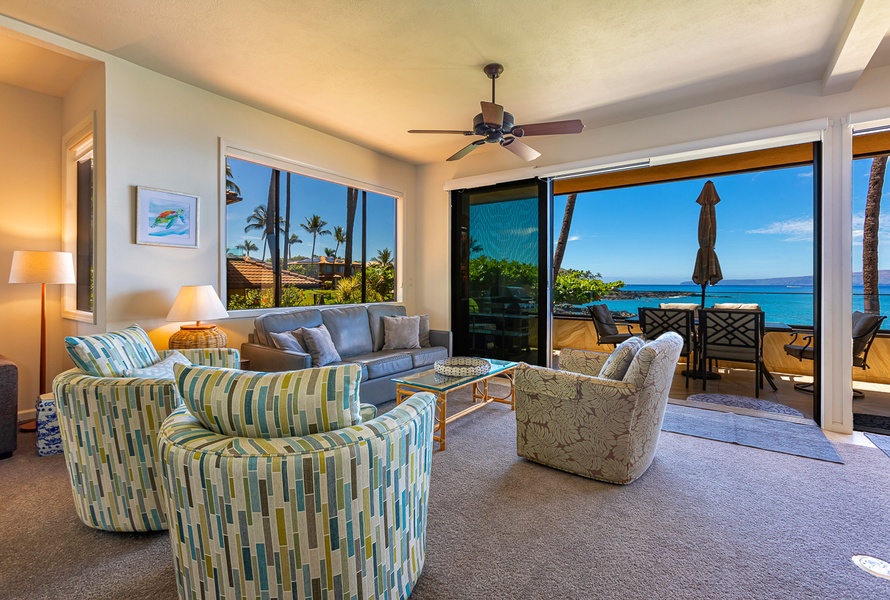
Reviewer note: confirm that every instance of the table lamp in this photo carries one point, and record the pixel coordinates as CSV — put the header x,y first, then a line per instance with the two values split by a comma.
x,y
43,268
197,303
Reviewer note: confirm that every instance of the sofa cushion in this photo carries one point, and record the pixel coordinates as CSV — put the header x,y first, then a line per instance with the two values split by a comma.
x,y
162,369
287,341
271,405
401,332
618,362
113,353
280,322
349,329
425,357
320,346
385,363
376,312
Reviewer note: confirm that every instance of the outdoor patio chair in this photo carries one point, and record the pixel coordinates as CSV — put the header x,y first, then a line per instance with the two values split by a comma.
x,y
733,335
865,330
606,328
655,321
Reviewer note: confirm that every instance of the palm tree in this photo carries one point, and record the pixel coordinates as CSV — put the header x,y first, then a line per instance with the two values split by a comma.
x,y
315,226
563,234
330,253
232,188
351,205
870,230
384,257
257,220
339,237
293,239
247,246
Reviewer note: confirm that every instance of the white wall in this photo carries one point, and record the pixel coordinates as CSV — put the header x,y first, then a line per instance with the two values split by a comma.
x,y
165,134
30,219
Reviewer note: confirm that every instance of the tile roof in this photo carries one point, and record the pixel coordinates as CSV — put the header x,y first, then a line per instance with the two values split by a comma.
x,y
248,273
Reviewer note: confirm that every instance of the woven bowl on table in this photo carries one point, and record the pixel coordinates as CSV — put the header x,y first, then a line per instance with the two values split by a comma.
x,y
462,366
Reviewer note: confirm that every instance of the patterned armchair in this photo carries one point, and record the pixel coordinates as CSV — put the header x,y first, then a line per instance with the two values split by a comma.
x,y
601,428
109,426
293,497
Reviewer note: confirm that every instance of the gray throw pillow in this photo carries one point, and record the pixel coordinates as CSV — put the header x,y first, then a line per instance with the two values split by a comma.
x,y
401,333
619,361
287,341
320,345
423,335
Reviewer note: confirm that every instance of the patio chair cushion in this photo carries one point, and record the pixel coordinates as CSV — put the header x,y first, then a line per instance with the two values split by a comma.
x,y
619,361
271,405
163,369
736,306
112,354
680,305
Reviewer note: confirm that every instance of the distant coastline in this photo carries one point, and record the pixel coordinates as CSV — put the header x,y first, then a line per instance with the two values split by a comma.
x,y
804,280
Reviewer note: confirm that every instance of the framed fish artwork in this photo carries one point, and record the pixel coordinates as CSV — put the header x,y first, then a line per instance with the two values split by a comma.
x,y
166,218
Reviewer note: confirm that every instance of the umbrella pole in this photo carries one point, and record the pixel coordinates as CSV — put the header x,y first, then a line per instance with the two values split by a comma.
x,y
703,294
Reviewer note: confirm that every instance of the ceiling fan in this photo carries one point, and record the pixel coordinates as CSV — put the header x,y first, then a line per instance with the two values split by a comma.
x,y
495,125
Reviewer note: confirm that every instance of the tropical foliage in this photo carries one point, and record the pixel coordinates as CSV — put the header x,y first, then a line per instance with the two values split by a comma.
x,y
264,298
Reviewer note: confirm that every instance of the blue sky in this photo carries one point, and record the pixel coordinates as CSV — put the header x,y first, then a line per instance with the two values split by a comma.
x,y
649,234
308,196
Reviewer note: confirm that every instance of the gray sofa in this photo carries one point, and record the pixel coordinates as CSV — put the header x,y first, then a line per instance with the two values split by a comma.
x,y
357,333
9,406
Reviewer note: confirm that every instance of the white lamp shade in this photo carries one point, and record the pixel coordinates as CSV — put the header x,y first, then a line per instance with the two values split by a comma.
x,y
197,303
41,267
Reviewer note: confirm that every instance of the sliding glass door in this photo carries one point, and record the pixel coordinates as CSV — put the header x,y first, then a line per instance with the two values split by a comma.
x,y
500,261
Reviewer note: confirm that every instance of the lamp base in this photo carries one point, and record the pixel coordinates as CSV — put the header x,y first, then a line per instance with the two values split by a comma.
x,y
198,336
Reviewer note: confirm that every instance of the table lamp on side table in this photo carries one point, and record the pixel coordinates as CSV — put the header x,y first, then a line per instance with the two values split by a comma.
x,y
197,303
43,268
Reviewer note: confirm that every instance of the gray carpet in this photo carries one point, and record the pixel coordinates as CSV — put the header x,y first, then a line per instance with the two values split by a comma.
x,y
708,520
746,402
766,434
881,441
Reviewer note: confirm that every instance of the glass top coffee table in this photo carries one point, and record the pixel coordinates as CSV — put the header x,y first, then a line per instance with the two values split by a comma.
x,y
440,385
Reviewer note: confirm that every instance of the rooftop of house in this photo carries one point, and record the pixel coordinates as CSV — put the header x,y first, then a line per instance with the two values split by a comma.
x,y
249,273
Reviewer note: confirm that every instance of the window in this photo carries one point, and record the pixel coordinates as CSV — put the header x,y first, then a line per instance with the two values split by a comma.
x,y
80,211
294,239
632,236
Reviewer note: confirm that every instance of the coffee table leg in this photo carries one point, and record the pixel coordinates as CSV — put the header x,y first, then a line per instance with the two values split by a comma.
x,y
441,405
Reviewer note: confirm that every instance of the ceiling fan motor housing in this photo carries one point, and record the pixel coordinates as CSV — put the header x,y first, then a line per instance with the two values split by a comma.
x,y
481,128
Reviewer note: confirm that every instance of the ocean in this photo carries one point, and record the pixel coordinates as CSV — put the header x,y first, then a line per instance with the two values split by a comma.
x,y
783,304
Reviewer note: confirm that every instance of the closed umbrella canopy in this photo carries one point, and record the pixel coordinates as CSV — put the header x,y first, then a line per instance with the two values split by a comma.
x,y
707,267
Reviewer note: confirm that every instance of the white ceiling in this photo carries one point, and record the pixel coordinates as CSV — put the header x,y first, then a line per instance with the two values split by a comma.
x,y
369,71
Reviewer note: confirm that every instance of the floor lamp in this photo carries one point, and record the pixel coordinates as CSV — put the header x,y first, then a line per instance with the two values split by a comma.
x,y
43,268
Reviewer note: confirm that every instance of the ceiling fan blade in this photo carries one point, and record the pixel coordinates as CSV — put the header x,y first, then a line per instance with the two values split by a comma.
x,y
465,150
492,114
520,149
459,131
552,128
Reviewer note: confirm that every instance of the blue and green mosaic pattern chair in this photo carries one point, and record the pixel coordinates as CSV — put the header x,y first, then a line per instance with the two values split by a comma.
x,y
286,493
109,426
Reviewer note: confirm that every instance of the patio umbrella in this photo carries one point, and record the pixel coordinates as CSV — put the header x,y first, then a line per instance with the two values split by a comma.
x,y
707,267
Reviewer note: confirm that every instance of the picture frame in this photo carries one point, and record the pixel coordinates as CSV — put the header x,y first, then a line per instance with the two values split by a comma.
x,y
165,218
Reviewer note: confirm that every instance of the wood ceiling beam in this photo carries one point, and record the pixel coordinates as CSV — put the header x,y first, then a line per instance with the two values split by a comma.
x,y
866,27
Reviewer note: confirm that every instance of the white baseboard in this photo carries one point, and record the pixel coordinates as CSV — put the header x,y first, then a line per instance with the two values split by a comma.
x,y
27,415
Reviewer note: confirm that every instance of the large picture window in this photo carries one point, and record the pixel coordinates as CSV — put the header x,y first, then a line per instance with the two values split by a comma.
x,y
294,240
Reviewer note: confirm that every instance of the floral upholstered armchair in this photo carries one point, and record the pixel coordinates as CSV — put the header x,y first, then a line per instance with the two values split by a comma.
x,y
110,409
605,425
277,487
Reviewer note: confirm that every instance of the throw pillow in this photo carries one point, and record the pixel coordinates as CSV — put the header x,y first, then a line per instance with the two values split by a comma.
x,y
287,341
271,405
162,369
619,361
401,333
320,346
423,335
111,354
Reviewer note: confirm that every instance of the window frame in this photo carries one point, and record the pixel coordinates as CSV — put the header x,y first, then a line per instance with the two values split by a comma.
x,y
78,143
307,170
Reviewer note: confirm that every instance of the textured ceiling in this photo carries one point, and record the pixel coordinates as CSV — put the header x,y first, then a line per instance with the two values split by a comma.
x,y
369,71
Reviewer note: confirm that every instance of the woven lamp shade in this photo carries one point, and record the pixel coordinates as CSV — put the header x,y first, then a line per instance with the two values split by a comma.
x,y
197,303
